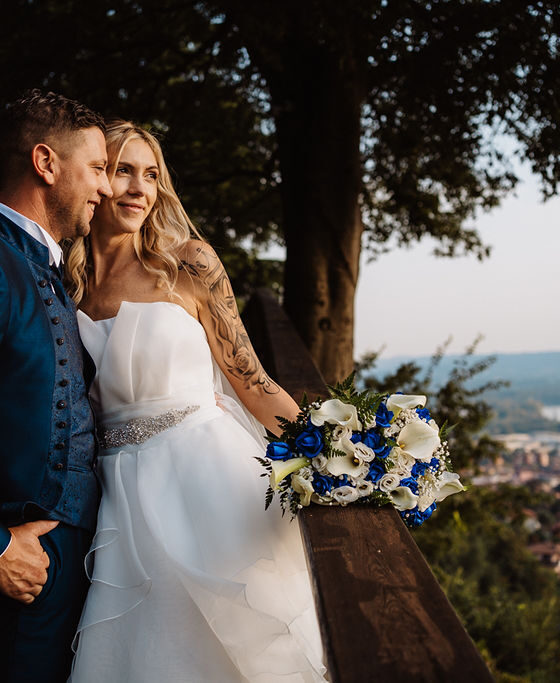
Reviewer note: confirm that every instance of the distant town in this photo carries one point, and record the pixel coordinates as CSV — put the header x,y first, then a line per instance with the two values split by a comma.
x,y
534,459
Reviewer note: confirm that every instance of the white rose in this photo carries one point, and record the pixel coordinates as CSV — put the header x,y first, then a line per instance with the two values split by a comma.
x,y
363,452
389,482
340,432
335,411
319,462
304,487
371,423
419,440
403,461
398,402
345,494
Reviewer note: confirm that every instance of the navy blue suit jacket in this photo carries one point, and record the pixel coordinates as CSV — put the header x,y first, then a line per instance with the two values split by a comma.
x,y
34,400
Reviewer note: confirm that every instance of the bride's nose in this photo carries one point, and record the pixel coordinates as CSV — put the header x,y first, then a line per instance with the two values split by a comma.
x,y
137,185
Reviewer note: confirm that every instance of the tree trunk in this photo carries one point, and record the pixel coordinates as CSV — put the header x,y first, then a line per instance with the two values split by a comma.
x,y
318,103
317,82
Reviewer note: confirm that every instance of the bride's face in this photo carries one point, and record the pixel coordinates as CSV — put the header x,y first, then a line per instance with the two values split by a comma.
x,y
134,186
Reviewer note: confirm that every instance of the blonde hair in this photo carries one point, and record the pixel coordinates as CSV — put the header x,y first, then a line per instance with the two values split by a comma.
x,y
165,231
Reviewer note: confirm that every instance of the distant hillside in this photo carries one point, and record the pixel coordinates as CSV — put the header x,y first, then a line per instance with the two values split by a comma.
x,y
534,381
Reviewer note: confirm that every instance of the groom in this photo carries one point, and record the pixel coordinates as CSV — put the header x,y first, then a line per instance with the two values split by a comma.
x,y
52,177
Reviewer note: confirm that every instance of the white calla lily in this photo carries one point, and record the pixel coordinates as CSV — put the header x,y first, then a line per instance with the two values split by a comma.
x,y
448,484
347,464
281,469
425,500
403,498
334,411
344,444
364,487
304,487
398,402
419,440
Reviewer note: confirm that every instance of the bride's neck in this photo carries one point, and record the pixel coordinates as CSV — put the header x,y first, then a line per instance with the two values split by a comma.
x,y
111,254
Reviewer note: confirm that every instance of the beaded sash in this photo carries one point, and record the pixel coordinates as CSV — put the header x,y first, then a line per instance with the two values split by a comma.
x,y
140,429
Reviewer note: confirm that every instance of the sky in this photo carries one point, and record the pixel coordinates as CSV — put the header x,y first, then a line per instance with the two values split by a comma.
x,y
512,297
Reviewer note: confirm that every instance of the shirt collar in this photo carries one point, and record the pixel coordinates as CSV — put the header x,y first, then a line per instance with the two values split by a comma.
x,y
36,231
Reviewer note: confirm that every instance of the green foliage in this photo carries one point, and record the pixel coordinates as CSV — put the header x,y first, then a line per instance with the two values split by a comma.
x,y
215,78
457,401
509,603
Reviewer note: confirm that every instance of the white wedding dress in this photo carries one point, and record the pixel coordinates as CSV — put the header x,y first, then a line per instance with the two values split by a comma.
x,y
192,580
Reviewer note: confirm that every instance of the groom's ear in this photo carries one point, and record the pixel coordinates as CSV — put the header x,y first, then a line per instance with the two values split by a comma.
x,y
44,163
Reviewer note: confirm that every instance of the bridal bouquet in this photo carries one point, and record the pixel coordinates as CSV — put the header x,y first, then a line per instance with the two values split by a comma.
x,y
359,447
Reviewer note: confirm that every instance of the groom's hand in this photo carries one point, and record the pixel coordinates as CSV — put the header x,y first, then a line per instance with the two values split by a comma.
x,y
23,567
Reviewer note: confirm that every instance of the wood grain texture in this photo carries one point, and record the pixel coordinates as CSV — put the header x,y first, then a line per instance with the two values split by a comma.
x,y
384,617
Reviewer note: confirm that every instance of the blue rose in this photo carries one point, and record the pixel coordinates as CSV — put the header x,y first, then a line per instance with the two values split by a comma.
x,y
419,469
434,464
278,450
383,416
414,518
321,483
310,442
356,437
341,481
423,414
376,471
411,483
373,439
376,442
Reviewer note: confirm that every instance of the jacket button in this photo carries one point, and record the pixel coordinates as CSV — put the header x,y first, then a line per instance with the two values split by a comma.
x,y
63,383
49,301
63,361
59,466
42,283
59,446
61,424
61,405
55,320
60,341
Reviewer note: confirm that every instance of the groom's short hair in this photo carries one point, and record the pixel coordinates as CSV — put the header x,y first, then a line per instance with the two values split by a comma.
x,y
38,117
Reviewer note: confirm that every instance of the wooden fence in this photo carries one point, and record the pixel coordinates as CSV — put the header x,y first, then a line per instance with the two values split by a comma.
x,y
383,615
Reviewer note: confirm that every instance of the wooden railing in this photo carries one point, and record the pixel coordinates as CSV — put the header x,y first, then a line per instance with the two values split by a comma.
x,y
383,615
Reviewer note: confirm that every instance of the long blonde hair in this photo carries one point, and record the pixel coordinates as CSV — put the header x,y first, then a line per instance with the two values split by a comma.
x,y
164,233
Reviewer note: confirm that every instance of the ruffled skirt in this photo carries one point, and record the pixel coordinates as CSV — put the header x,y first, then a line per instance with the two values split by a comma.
x,y
192,581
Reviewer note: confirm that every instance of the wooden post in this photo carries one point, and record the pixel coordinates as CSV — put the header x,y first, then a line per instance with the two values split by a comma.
x,y
384,617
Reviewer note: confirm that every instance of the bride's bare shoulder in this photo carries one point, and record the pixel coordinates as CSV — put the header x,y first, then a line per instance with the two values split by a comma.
x,y
200,260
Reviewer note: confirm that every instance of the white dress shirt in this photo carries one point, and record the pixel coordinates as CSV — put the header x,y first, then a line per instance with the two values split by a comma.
x,y
36,231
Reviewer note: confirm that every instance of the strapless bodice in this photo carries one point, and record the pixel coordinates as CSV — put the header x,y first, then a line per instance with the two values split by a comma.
x,y
153,358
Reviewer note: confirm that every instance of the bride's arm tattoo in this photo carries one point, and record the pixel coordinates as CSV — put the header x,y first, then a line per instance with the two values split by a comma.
x,y
233,340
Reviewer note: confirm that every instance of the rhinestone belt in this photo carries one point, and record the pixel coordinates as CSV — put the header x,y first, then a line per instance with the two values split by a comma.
x,y
140,429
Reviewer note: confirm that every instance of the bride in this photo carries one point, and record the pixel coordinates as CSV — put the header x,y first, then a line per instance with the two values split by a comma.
x,y
191,580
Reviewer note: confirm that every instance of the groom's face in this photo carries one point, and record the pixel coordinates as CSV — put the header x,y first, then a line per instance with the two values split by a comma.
x,y
81,183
